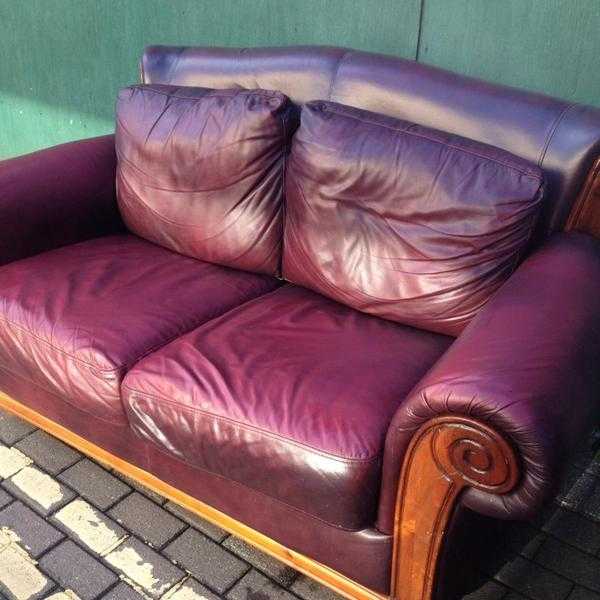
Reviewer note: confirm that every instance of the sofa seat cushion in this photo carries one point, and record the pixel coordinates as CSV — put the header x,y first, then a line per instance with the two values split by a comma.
x,y
290,394
75,319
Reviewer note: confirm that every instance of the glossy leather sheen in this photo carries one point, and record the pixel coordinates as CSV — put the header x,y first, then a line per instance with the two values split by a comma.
x,y
404,222
201,171
290,394
57,197
528,366
563,138
75,319
364,556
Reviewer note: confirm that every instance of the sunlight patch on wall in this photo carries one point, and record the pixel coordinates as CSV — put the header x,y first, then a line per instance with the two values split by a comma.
x,y
25,125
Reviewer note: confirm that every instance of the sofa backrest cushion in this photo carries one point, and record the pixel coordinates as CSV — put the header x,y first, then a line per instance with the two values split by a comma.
x,y
201,171
562,137
401,221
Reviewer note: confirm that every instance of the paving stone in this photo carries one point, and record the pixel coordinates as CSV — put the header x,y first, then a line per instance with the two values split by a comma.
x,y
77,570
309,589
588,456
206,527
86,524
5,498
11,461
38,490
123,592
142,489
64,595
571,563
20,577
256,585
574,529
48,452
580,593
146,519
491,590
190,590
534,581
206,560
94,484
13,429
276,570
581,493
34,533
145,567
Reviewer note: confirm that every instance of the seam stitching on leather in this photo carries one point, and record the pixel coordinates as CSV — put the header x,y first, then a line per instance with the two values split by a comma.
x,y
335,72
553,130
179,52
151,397
433,140
125,365
66,400
239,483
59,350
286,149
238,92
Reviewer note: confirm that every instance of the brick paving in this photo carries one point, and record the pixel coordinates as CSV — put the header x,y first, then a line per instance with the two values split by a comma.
x,y
71,529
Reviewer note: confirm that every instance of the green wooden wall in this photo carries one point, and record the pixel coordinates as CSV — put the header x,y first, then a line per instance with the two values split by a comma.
x,y
62,61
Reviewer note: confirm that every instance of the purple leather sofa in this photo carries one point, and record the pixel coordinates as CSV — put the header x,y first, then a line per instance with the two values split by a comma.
x,y
347,441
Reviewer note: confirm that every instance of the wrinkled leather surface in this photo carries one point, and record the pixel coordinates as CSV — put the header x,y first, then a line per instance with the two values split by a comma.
x,y
401,221
75,319
57,196
291,395
364,556
561,137
528,366
201,171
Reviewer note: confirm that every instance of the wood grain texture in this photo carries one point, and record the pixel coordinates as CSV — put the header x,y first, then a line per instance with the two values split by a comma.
x,y
63,61
321,573
445,456
546,45
585,216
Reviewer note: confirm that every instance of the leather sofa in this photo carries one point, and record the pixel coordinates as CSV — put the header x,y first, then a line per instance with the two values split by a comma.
x,y
267,390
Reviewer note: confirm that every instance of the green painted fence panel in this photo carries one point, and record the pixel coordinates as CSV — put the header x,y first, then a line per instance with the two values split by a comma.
x,y
551,46
62,61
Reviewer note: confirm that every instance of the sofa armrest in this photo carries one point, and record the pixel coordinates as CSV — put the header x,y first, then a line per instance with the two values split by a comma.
x,y
527,367
57,196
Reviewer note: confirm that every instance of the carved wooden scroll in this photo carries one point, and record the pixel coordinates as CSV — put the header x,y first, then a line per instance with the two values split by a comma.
x,y
446,455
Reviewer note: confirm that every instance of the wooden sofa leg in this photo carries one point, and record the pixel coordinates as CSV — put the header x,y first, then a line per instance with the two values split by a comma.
x,y
445,456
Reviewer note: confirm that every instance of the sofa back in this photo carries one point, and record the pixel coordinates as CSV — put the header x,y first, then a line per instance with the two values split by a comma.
x,y
561,137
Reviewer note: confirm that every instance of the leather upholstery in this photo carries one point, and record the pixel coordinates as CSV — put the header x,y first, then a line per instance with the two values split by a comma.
x,y
75,319
528,366
57,196
201,171
401,221
290,394
364,556
561,137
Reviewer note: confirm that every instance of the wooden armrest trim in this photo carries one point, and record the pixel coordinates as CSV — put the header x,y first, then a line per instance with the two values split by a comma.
x,y
447,455
585,216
